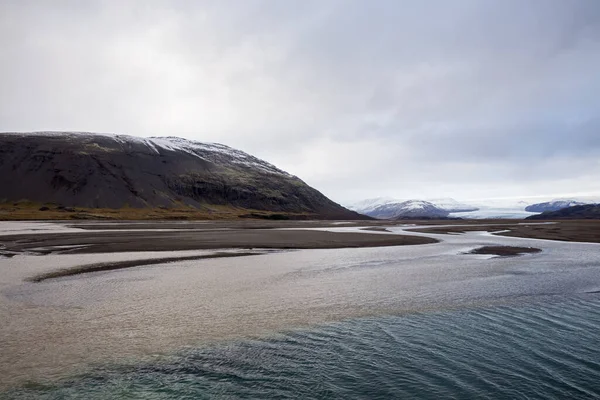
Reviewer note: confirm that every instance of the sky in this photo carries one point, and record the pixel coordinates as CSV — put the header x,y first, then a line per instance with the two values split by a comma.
x,y
469,99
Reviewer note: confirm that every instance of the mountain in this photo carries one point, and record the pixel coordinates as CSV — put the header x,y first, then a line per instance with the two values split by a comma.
x,y
518,208
586,211
502,208
364,206
452,206
407,209
553,205
391,207
419,209
115,171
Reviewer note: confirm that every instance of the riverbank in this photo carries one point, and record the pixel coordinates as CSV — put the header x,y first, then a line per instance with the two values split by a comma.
x,y
169,236
565,231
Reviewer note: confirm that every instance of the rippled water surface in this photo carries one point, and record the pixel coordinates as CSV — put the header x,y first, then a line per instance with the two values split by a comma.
x,y
536,351
423,321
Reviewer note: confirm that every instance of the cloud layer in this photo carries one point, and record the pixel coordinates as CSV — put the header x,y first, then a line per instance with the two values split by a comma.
x,y
469,98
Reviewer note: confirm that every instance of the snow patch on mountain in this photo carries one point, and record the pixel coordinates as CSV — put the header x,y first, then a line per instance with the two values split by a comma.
x,y
209,151
554,205
450,205
404,209
417,204
515,208
367,205
213,152
500,208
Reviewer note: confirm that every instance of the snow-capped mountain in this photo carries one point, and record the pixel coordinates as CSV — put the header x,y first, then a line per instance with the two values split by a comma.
x,y
452,206
584,211
82,169
387,207
553,205
406,209
212,152
515,208
364,206
500,208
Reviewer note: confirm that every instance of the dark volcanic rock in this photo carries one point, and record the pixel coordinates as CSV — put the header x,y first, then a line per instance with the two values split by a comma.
x,y
587,211
115,171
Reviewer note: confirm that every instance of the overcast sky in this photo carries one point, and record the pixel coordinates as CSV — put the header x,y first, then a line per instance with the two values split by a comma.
x,y
410,99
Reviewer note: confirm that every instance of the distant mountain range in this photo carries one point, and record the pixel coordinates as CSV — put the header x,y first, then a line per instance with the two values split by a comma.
x,y
407,209
117,171
390,208
553,205
586,211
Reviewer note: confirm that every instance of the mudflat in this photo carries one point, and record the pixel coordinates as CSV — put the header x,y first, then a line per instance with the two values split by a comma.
x,y
111,266
504,251
567,231
128,237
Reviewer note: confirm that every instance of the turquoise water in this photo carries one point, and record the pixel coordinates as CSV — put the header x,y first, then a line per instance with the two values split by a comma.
x,y
540,350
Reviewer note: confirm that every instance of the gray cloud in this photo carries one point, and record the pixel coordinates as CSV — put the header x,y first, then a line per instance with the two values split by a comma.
x,y
469,98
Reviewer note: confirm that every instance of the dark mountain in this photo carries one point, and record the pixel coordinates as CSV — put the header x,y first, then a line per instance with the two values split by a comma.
x,y
115,171
553,205
407,210
587,211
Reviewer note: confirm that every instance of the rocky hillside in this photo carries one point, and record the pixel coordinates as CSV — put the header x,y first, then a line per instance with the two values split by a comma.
x,y
587,211
115,171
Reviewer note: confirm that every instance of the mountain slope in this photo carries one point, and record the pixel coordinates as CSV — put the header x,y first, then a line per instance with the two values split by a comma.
x,y
364,206
586,211
115,171
553,205
452,206
407,209
386,207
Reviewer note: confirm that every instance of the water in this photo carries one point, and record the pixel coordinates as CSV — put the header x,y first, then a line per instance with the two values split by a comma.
x,y
544,350
416,321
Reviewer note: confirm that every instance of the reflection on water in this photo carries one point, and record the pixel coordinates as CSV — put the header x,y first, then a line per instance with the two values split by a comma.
x,y
53,329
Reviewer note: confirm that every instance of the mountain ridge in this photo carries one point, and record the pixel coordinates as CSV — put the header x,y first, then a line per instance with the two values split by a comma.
x,y
553,205
389,208
83,169
585,211
406,210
